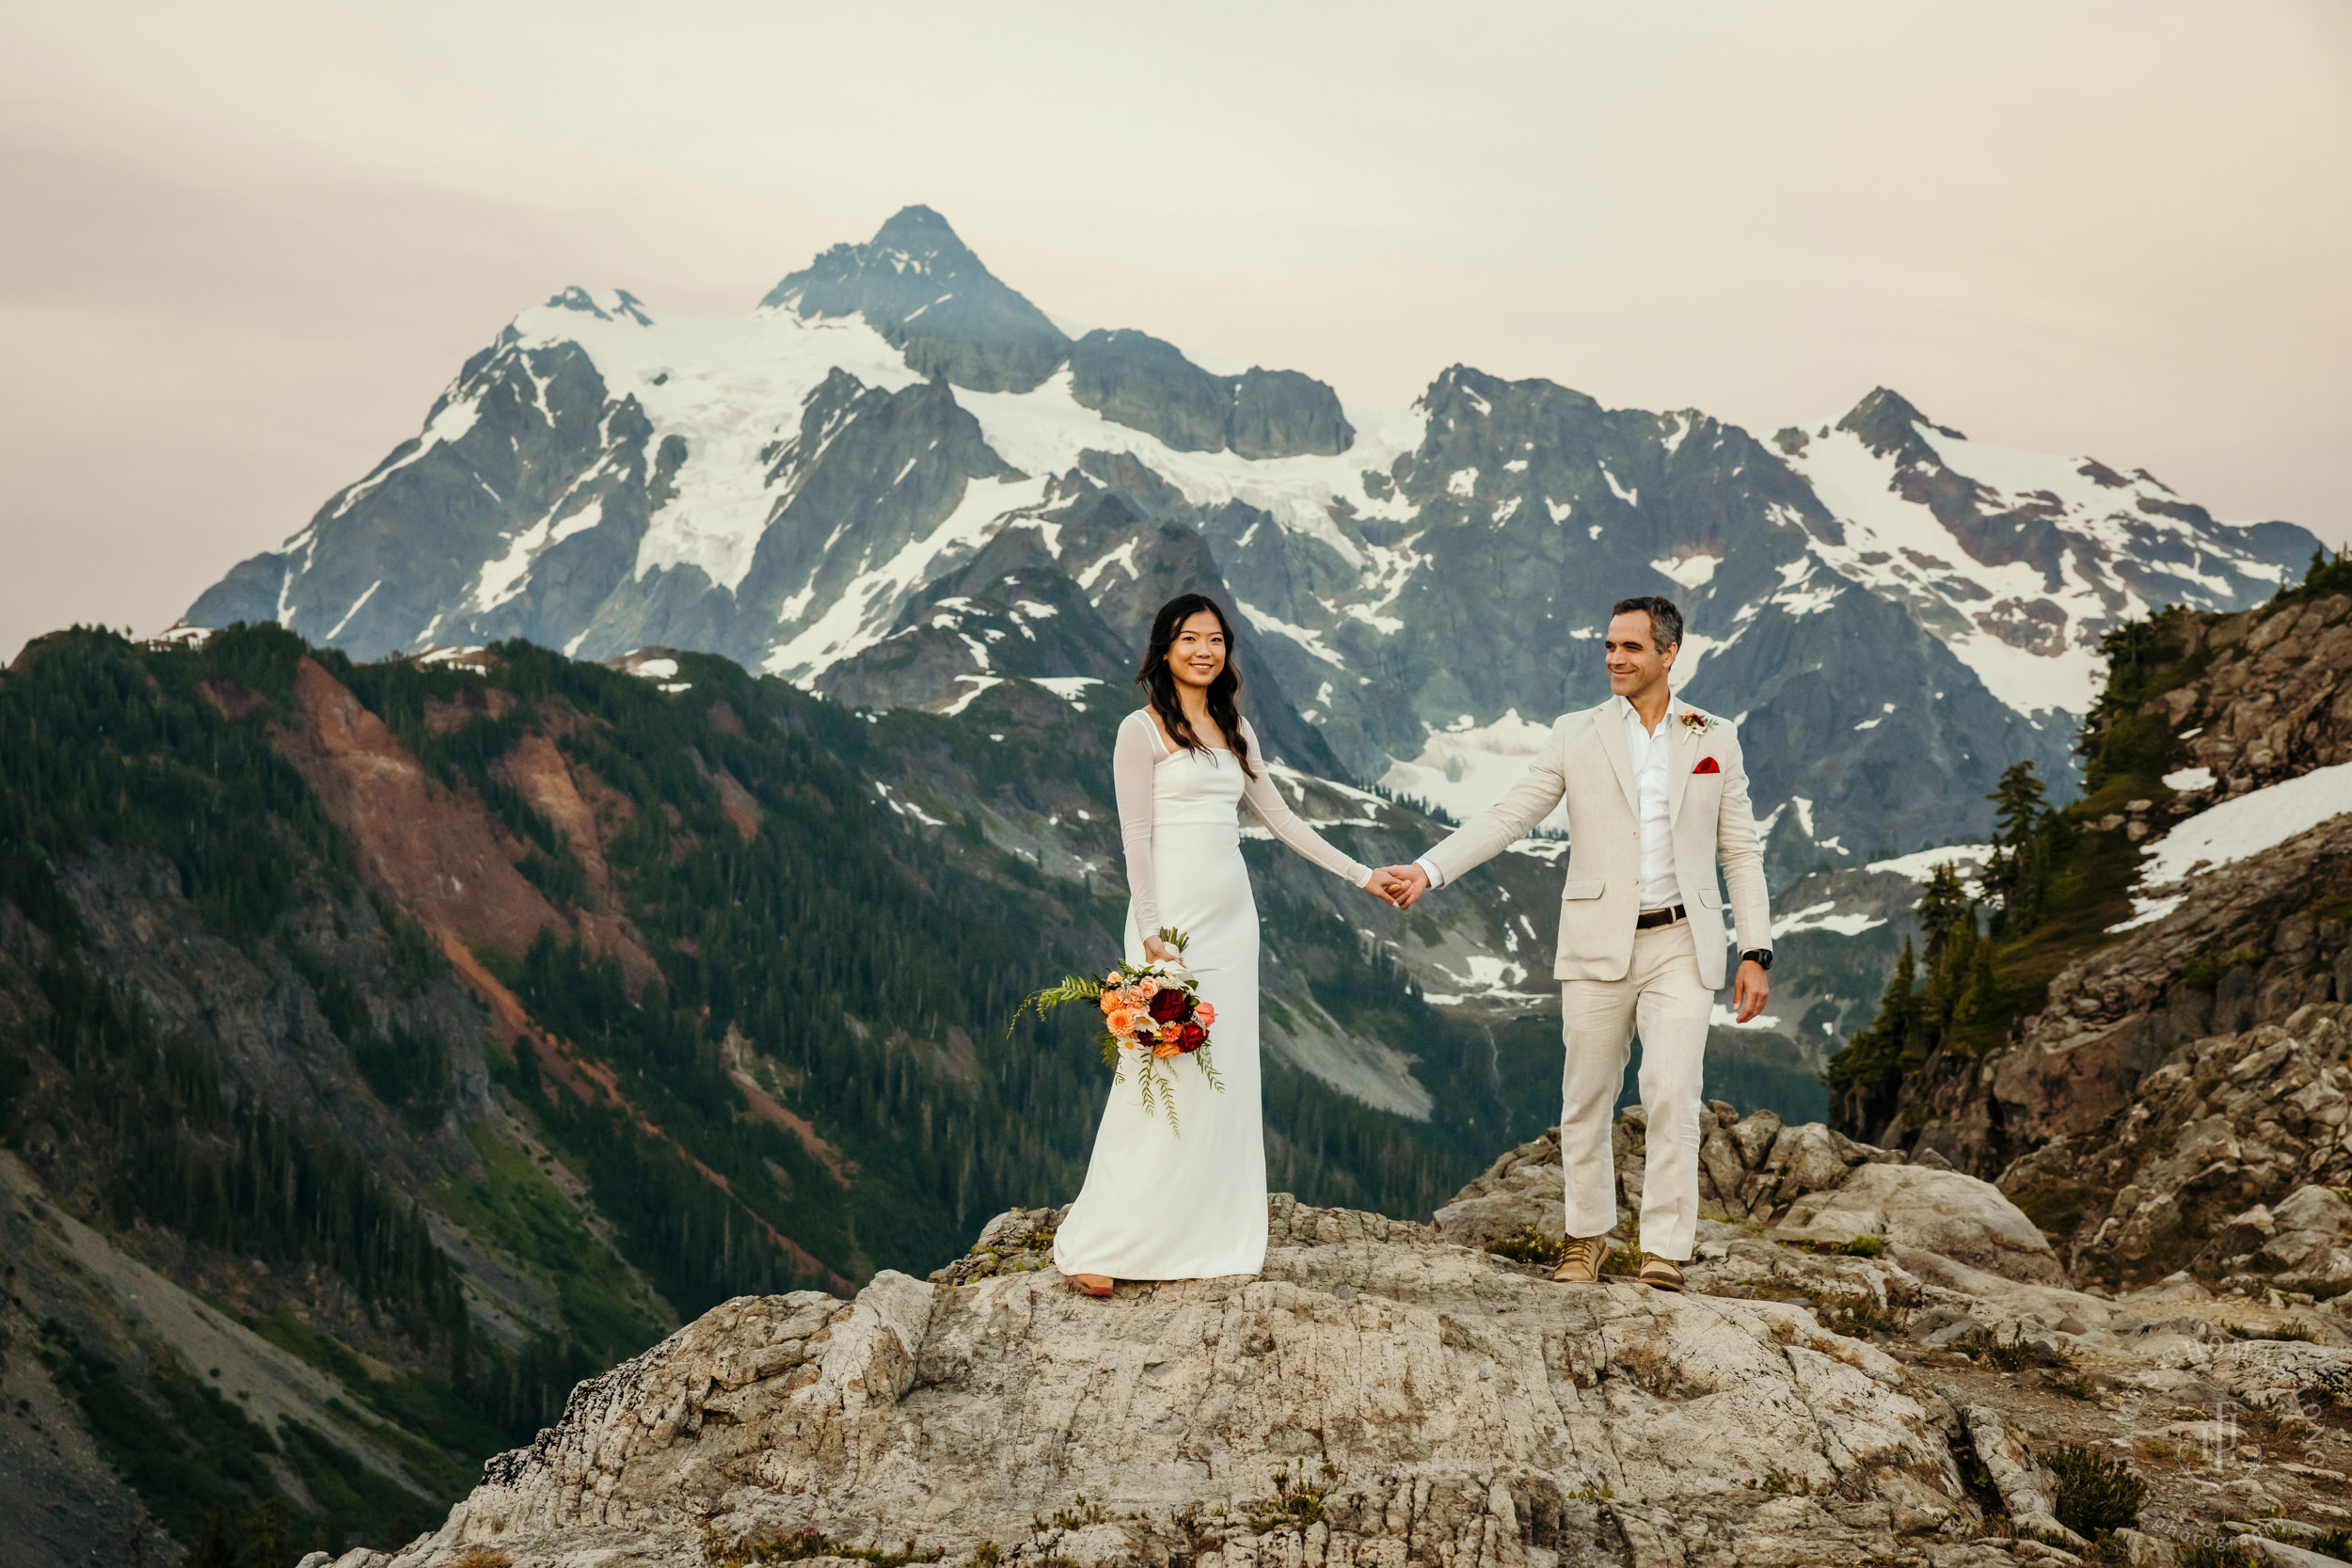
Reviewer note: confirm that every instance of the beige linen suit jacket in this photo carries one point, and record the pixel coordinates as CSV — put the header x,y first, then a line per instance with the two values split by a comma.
x,y
1586,761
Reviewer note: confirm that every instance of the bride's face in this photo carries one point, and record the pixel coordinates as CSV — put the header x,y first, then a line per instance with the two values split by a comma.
x,y
1197,656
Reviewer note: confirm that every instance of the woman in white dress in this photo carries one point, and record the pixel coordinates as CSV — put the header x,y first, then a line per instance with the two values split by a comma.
x,y
1157,1205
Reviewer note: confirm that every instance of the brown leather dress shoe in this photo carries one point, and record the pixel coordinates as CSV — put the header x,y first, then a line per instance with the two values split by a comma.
x,y
1089,1284
1582,1263
1661,1274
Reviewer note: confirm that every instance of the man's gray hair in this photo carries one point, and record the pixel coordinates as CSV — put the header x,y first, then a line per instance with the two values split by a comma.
x,y
1665,621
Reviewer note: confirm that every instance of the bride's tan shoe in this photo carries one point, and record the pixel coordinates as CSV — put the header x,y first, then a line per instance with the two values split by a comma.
x,y
1089,1284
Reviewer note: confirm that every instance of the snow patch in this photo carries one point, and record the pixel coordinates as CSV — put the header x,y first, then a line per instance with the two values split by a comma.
x,y
1468,767
1921,864
1826,917
2235,829
1692,570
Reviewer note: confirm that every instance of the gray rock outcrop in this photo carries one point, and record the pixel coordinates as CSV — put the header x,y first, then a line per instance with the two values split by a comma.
x,y
1809,1179
2226,1163
1377,1396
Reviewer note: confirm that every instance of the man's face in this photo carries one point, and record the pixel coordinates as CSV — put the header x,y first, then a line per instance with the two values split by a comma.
x,y
1635,665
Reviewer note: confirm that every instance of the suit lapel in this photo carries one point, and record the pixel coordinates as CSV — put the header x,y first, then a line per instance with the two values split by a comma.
x,y
1679,761
1611,725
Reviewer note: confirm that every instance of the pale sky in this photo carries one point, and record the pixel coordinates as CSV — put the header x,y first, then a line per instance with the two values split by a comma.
x,y
247,243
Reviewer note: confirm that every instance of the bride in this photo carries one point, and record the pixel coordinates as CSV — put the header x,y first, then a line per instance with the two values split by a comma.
x,y
1157,1206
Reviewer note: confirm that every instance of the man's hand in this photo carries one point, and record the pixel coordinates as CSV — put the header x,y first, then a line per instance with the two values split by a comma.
x,y
1160,952
1402,885
1751,988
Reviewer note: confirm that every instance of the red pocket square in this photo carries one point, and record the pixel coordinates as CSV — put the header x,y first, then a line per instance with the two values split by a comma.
x,y
1707,765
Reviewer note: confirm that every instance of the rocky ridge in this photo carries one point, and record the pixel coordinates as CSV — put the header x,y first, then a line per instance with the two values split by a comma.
x,y
2239,704
1894,1345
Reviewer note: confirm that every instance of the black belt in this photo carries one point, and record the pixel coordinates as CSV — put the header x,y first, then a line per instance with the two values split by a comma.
x,y
1649,920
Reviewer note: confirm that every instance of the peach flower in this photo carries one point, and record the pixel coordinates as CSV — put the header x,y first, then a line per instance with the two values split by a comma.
x,y
1205,1013
1110,998
1123,1021
1168,1046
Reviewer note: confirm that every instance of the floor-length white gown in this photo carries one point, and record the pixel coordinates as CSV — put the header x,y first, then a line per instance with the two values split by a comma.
x,y
1190,1204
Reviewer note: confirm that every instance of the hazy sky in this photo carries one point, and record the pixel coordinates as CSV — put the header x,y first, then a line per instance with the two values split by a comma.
x,y
246,244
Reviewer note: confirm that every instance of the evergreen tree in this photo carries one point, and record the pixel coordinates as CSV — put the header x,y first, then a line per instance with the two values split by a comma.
x,y
2017,877
1944,912
1861,1077
212,1549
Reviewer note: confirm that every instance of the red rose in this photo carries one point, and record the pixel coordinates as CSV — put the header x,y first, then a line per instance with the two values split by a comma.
x,y
1170,1006
1192,1037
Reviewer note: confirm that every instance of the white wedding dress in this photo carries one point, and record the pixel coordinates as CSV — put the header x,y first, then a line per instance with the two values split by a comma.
x,y
1157,1205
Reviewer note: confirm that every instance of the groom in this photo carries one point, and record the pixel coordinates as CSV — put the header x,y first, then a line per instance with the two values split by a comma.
x,y
1658,798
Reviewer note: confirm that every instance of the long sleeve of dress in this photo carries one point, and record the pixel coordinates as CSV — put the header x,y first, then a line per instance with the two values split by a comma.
x,y
1133,758
1266,798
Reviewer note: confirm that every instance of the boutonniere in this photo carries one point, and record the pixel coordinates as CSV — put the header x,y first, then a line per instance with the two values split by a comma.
x,y
1695,721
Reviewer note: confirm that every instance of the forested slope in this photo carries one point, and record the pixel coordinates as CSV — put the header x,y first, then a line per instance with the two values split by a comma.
x,y
455,1028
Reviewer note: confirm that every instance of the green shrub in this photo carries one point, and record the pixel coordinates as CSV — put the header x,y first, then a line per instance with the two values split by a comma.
x,y
2095,1494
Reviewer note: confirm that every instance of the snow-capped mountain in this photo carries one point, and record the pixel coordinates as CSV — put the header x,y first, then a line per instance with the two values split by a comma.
x,y
1893,611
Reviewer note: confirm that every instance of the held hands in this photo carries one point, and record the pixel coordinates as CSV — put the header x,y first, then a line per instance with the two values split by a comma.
x,y
1159,952
1751,988
1400,885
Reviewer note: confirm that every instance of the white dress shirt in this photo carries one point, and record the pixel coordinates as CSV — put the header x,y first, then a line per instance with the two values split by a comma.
x,y
1649,755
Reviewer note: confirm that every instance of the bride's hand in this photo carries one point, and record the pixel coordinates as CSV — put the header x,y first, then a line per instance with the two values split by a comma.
x,y
1158,950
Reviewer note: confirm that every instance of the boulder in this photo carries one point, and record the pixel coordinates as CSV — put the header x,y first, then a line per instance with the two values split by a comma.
x,y
1524,1188
1938,1211
2310,1241
1807,1159
1752,1167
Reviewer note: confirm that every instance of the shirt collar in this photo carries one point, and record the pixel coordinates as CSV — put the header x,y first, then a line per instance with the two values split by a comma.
x,y
1675,708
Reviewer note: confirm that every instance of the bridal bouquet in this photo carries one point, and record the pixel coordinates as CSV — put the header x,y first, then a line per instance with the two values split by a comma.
x,y
1153,1010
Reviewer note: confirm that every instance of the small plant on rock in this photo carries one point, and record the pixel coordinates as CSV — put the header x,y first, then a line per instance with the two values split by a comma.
x,y
2094,1493
1079,1514
1528,1244
1297,1504
2013,1355
2074,1385
1859,1317
1783,1483
804,1544
2276,1426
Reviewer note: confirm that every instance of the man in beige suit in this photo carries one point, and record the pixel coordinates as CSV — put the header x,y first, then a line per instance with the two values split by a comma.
x,y
1658,798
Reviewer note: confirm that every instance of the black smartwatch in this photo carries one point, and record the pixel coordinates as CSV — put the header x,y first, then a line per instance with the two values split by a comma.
x,y
1760,957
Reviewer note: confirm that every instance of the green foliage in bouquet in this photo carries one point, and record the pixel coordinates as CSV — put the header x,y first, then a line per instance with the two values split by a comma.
x,y
1145,1030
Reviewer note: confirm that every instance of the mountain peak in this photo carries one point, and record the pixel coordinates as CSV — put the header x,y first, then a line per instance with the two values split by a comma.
x,y
604,306
920,286
1886,418
918,230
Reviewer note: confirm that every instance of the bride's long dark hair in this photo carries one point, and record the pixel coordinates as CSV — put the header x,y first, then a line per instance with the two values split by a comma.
x,y
1159,682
